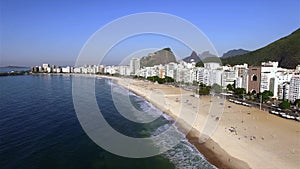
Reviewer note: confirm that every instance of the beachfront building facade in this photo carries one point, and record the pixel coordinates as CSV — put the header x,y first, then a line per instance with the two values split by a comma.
x,y
294,91
241,72
229,76
202,76
254,79
215,77
67,69
284,83
272,78
268,74
124,70
45,66
147,72
134,65
212,65
283,91
170,69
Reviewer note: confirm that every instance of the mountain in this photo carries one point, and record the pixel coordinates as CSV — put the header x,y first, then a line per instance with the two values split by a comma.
x,y
163,56
207,54
197,58
193,56
285,50
235,52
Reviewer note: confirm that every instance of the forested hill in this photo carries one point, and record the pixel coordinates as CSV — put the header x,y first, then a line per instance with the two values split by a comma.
x,y
285,50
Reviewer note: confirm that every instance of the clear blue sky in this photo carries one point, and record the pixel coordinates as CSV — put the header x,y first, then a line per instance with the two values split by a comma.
x,y
54,31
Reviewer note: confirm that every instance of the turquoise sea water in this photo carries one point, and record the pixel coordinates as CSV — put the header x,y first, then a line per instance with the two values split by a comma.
x,y
39,128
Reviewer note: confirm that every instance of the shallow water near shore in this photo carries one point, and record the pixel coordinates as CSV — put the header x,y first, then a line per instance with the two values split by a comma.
x,y
40,128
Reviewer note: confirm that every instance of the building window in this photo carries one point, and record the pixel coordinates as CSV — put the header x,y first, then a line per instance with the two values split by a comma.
x,y
254,78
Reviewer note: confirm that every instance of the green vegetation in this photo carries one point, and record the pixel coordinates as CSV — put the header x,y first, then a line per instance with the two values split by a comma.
x,y
216,88
203,89
161,80
239,92
212,59
230,87
235,52
199,64
264,96
285,50
285,105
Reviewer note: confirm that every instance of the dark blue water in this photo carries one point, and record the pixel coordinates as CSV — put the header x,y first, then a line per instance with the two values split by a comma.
x,y
39,129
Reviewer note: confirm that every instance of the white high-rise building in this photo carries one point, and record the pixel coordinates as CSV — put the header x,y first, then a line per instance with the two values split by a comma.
x,y
45,67
124,70
134,65
111,70
294,92
78,70
268,71
272,77
215,77
100,68
49,69
170,69
228,77
203,75
283,91
268,77
212,65
241,72
66,69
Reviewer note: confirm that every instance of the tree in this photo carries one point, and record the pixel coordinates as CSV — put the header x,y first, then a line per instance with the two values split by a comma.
x,y
230,87
203,89
169,79
264,96
195,83
268,93
285,104
297,102
160,80
202,85
199,64
253,92
216,88
239,92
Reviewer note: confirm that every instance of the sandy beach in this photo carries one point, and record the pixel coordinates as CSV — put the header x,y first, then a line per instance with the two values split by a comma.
x,y
240,137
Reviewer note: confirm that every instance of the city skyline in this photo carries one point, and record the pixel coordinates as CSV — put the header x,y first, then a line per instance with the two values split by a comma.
x,y
266,77
55,32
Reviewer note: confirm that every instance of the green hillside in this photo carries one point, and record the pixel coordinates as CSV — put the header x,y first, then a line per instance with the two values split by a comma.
x,y
285,50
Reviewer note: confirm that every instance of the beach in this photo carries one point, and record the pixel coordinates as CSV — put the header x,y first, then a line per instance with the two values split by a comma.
x,y
239,136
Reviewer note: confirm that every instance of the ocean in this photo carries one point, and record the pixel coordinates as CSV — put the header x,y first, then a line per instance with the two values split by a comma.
x,y
40,129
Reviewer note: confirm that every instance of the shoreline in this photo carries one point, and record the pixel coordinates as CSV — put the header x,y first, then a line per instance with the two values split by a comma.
x,y
216,155
260,140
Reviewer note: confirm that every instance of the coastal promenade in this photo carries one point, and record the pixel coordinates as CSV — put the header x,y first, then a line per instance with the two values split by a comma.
x,y
245,137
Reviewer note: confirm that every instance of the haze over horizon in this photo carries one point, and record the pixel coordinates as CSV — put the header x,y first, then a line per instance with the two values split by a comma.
x,y
34,32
